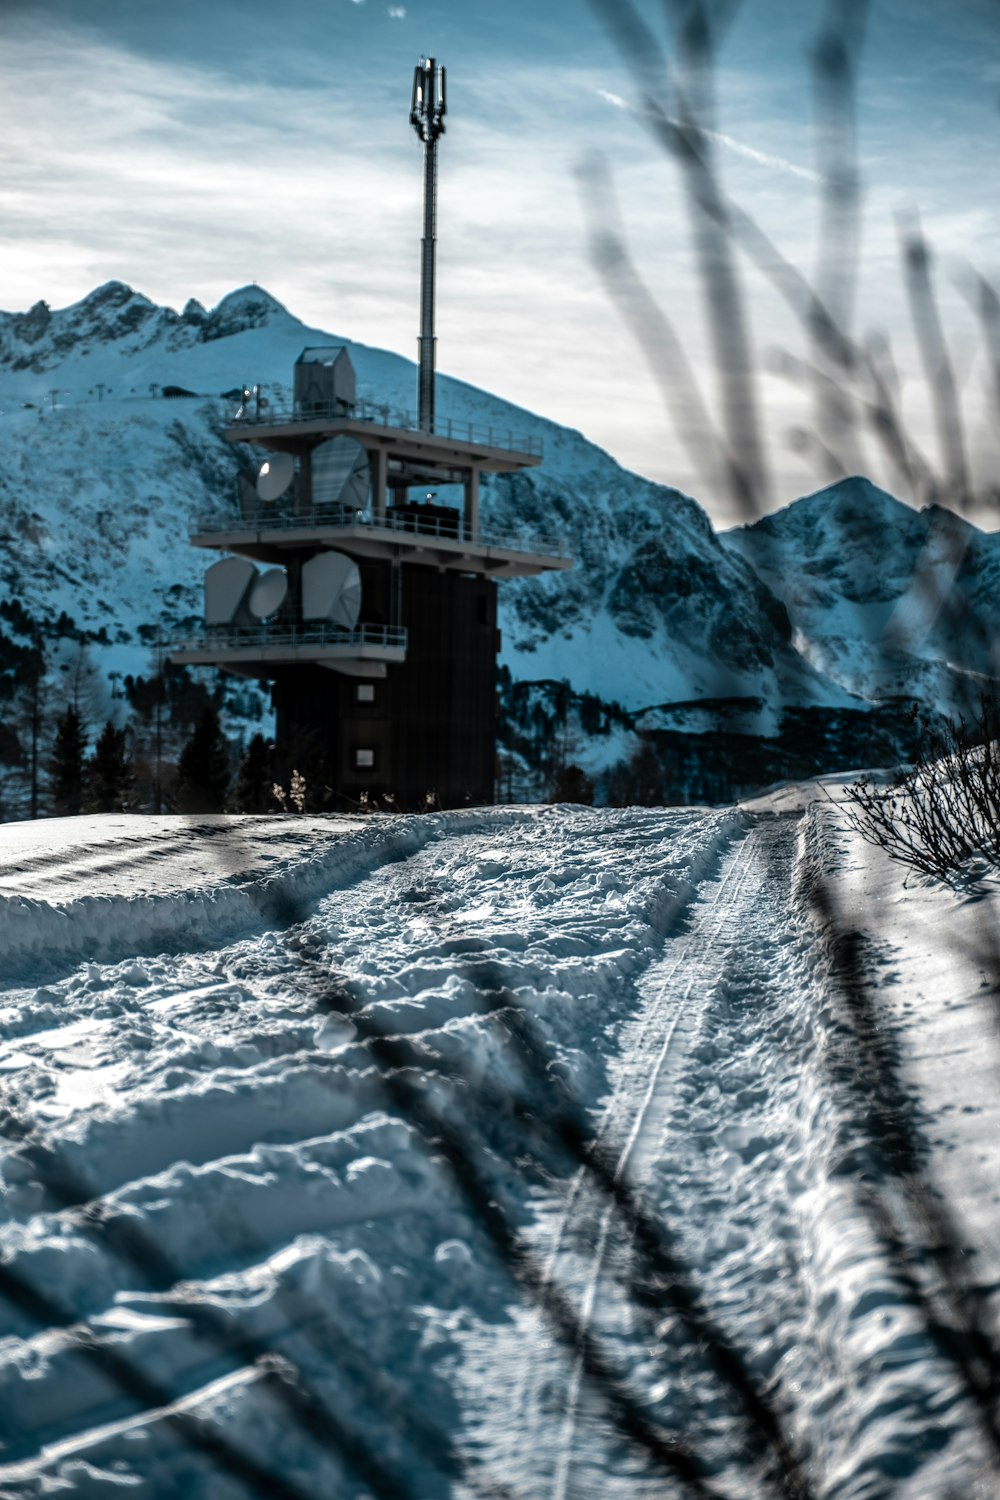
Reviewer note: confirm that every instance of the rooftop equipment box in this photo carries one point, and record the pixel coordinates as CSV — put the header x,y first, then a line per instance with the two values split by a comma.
x,y
325,383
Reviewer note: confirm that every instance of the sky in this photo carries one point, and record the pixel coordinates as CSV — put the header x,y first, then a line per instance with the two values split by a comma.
x,y
190,147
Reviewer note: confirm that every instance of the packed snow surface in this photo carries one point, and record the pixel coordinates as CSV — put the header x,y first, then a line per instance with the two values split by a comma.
x,y
439,1156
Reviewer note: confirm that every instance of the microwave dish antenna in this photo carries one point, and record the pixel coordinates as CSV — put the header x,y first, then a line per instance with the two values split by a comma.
x,y
228,584
275,475
331,589
341,473
267,594
428,107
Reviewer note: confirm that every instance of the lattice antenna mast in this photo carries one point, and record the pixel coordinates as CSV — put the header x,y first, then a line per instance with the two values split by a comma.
x,y
427,112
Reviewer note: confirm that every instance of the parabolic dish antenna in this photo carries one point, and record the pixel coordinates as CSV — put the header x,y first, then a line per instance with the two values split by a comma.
x,y
226,585
275,475
268,593
331,589
340,473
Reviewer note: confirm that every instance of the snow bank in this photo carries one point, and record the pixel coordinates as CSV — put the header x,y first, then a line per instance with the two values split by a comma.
x,y
38,936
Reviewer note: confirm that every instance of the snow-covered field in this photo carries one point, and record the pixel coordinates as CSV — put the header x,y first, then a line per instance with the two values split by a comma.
x,y
509,1152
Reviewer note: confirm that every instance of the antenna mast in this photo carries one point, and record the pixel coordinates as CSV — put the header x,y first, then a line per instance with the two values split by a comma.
x,y
427,112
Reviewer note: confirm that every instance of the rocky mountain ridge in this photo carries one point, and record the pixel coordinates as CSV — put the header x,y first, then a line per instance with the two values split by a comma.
x,y
883,599
101,478
40,340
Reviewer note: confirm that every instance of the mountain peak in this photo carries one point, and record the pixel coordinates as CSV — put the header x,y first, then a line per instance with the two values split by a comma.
x,y
112,313
115,315
854,491
240,310
251,295
110,294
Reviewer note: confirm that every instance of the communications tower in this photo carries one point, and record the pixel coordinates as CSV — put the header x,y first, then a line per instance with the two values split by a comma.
x,y
369,607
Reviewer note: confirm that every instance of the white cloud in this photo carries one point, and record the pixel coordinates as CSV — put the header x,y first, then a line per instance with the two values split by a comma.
x,y
188,181
397,12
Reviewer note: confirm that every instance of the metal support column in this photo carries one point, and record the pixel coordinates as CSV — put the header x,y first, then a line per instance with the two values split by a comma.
x,y
303,492
396,592
379,471
471,519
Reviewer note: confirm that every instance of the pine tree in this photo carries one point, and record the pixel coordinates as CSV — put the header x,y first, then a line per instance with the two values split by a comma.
x,y
82,681
572,784
203,768
23,688
255,778
66,765
110,780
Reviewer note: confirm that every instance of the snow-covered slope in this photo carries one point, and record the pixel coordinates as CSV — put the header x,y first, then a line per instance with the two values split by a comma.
x,y
99,475
313,1174
884,599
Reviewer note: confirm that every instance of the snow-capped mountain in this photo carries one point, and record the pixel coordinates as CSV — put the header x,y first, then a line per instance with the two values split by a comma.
x,y
883,599
112,413
100,475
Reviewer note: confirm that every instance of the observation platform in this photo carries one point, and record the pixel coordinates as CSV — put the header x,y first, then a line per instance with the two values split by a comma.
x,y
263,533
451,443
255,650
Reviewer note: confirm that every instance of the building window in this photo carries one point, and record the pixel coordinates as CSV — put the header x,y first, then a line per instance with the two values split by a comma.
x,y
364,692
364,760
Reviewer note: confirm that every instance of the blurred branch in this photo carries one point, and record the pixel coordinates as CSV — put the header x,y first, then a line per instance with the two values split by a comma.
x,y
835,62
937,363
655,335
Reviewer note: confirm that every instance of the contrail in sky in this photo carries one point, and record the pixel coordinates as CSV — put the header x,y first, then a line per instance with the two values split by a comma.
x,y
762,158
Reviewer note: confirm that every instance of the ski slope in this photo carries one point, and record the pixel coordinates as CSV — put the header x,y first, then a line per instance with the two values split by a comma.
x,y
471,1154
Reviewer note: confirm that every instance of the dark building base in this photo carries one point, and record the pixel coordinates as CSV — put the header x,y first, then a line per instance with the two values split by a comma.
x,y
424,735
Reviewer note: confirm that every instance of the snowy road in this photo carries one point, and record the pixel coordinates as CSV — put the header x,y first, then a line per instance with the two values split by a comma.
x,y
483,1153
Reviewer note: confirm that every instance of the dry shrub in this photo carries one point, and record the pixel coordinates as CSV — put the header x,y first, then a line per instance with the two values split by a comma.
x,y
943,813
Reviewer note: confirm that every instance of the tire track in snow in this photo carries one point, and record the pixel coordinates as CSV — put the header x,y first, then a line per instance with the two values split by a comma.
x,y
756,1172
563,916
687,971
421,982
678,988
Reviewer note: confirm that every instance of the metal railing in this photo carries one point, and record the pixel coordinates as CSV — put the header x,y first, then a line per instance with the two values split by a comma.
x,y
281,633
379,415
406,522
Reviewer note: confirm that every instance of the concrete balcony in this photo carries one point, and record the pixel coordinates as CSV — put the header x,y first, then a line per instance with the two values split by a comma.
x,y
264,532
500,447
256,650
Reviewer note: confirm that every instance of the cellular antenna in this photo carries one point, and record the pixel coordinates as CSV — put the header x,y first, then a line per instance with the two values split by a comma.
x,y
427,112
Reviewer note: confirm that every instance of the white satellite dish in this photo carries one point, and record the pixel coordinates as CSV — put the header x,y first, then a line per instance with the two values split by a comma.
x,y
331,589
226,586
268,593
275,475
340,473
